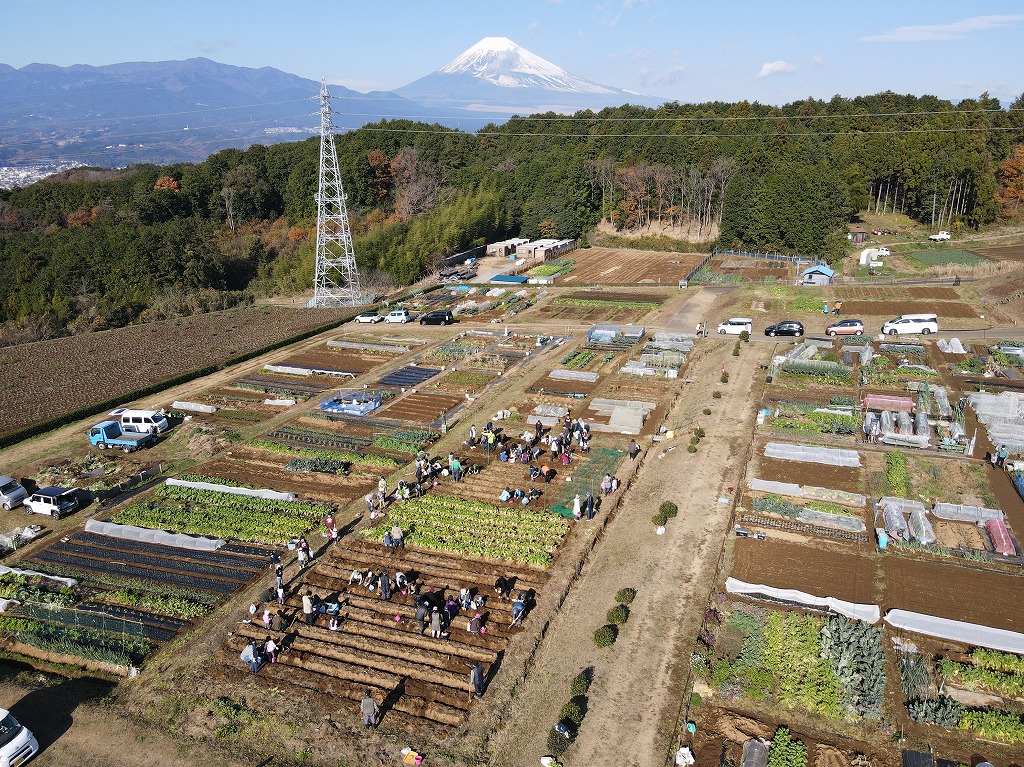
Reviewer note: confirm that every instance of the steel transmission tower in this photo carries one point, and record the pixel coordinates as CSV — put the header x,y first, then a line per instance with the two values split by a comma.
x,y
337,279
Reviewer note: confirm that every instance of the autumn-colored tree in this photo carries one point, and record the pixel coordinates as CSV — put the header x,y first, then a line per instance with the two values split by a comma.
x,y
166,182
382,176
548,228
1011,180
76,219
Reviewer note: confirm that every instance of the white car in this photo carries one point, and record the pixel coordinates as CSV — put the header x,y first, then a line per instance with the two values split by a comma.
x,y
940,236
369,317
52,501
882,252
398,315
17,743
735,326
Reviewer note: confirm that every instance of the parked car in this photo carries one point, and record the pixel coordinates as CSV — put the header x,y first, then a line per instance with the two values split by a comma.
x,y
882,252
940,236
369,317
17,743
437,317
398,315
736,325
849,327
11,493
144,421
912,323
785,328
55,501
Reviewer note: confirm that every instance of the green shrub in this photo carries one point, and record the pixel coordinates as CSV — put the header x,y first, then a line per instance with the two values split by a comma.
x,y
618,615
660,519
745,336
736,350
668,508
694,440
699,432
557,742
606,636
572,713
716,394
691,448
725,377
581,682
707,411
695,699
625,596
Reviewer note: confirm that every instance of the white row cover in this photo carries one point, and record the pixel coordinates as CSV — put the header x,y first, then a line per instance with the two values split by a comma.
x,y
954,512
194,407
562,374
162,537
958,631
271,495
5,570
810,492
812,454
858,612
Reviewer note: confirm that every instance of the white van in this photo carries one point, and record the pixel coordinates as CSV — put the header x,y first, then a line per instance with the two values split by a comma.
x,y
11,493
142,421
912,323
17,743
736,325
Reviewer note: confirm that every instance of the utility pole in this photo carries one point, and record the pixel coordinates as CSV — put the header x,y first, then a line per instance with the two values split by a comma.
x,y
337,278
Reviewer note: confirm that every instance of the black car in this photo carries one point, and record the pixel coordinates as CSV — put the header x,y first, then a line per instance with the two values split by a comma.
x,y
785,328
437,317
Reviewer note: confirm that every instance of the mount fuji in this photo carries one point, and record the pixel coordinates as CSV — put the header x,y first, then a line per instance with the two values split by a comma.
x,y
496,76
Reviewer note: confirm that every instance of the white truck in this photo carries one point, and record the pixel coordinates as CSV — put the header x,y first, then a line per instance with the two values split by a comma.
x,y
940,236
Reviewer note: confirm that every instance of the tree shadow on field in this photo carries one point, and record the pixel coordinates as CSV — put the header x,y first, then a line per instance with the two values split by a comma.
x,y
48,711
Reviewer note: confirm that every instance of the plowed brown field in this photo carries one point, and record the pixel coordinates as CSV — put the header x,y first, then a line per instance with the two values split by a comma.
x,y
620,266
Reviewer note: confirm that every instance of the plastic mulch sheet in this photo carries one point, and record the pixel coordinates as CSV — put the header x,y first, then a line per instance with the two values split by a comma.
x,y
854,610
811,454
1001,540
164,538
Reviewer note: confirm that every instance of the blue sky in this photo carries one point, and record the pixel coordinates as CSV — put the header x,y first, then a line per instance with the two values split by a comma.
x,y
772,52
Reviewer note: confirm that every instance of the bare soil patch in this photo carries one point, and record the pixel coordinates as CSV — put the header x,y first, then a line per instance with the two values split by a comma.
x,y
1001,252
878,308
622,266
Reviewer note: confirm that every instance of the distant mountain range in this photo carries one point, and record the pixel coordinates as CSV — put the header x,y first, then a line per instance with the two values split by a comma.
x,y
173,111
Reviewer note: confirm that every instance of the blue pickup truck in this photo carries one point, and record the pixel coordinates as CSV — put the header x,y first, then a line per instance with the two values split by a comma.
x,y
109,434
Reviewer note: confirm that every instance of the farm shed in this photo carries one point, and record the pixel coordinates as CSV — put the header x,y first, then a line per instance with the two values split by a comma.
x,y
817,275
535,249
351,402
857,234
506,247
512,279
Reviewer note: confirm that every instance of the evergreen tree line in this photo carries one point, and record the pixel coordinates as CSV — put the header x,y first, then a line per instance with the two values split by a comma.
x,y
95,248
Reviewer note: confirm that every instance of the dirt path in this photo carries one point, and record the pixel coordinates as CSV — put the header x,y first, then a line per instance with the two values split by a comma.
x,y
638,683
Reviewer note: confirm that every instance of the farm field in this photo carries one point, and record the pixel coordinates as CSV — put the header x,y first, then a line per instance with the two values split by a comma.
x,y
37,381
615,266
1001,252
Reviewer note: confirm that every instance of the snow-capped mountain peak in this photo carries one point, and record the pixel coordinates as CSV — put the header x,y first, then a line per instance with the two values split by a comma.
x,y
501,62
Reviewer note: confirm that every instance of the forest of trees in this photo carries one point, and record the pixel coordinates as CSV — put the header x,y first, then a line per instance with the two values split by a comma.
x,y
96,248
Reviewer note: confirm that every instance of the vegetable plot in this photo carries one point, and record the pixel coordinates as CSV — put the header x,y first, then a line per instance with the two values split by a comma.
x,y
477,529
222,515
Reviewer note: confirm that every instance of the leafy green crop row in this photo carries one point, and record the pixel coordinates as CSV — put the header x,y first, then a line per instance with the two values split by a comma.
x,y
379,461
897,475
474,528
163,604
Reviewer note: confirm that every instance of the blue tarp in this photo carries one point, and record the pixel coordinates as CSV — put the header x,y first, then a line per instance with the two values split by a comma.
x,y
516,280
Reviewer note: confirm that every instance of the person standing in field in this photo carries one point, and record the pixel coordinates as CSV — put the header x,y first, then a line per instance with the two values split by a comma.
x,y
476,679
369,709
307,607
633,450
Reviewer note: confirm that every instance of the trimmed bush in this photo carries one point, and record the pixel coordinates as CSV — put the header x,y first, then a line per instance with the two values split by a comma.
x,y
691,448
707,411
625,596
606,636
699,432
736,350
659,518
725,378
618,615
557,742
581,682
669,509
571,713
745,336
694,440
717,394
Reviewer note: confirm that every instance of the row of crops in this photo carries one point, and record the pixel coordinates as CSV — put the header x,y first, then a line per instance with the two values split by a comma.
x,y
929,683
476,529
222,515
829,666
